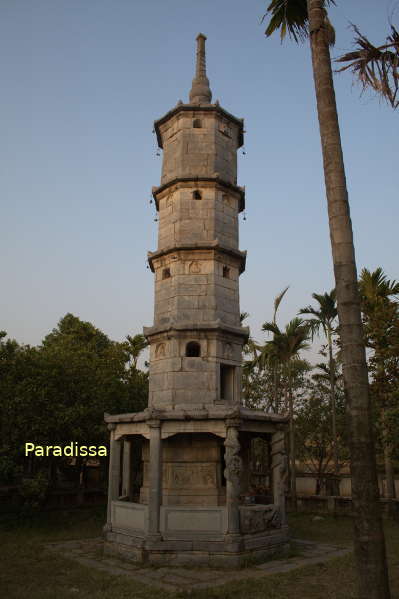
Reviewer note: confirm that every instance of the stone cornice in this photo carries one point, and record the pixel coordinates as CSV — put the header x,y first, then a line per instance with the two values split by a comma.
x,y
216,325
234,415
215,246
240,191
200,108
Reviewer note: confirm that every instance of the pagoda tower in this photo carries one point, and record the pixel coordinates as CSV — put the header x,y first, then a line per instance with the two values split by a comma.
x,y
196,341
180,482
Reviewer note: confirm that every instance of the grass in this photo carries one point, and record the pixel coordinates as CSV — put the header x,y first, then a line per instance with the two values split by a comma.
x,y
27,570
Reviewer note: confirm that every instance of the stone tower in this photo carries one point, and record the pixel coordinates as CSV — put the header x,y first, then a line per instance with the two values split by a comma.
x,y
181,472
197,263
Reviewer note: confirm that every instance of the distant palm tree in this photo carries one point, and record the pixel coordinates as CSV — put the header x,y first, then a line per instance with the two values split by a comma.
x,y
135,345
324,318
275,365
379,313
376,67
284,349
308,19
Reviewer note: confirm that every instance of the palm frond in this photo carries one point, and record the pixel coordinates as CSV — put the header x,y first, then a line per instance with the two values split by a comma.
x,y
277,302
376,67
291,16
271,327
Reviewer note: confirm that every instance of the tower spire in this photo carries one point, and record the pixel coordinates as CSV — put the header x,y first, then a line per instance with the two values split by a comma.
x,y
200,92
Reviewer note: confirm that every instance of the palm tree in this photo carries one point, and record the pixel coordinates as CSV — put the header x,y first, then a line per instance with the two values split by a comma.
x,y
376,67
284,349
380,314
308,18
324,318
275,365
135,345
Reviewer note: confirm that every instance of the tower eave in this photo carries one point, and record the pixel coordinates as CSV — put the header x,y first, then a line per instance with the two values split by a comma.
x,y
241,256
157,191
199,108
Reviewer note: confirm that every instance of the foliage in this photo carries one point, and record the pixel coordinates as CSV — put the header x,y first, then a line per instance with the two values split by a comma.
x,y
314,434
57,393
34,491
376,67
292,16
380,311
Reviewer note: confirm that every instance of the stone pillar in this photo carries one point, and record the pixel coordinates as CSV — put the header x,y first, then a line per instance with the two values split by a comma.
x,y
127,469
232,474
114,473
155,479
279,473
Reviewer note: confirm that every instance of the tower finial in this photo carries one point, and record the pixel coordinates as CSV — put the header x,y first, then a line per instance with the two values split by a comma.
x,y
200,91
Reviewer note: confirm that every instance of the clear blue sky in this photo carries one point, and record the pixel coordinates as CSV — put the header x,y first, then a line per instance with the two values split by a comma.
x,y
82,82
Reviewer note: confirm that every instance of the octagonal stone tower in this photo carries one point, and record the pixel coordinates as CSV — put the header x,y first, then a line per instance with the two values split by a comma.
x,y
180,471
197,263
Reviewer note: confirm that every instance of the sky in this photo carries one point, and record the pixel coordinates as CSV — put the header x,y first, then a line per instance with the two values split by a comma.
x,y
82,83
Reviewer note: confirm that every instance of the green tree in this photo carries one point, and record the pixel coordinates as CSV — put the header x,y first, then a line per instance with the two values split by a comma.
x,y
57,393
135,346
313,427
284,349
302,19
381,318
324,318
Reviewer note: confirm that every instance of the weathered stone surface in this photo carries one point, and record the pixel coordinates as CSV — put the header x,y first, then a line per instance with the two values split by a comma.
x,y
256,518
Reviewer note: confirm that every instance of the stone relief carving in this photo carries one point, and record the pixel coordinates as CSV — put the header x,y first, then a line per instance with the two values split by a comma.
x,y
194,267
190,476
259,518
233,461
160,350
181,476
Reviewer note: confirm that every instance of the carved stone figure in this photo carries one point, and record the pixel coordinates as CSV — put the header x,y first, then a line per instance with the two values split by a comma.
x,y
233,461
195,267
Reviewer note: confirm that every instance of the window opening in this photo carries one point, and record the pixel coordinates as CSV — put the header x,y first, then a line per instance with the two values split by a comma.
x,y
227,382
226,272
197,124
193,349
166,273
197,195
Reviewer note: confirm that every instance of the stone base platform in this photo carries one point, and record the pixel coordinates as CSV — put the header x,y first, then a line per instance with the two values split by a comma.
x,y
228,551
89,553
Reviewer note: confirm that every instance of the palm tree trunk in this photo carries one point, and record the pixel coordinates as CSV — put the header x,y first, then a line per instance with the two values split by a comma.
x,y
275,388
389,474
370,557
292,445
333,407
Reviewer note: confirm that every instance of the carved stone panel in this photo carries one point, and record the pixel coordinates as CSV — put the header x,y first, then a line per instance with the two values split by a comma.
x,y
190,476
194,267
259,518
